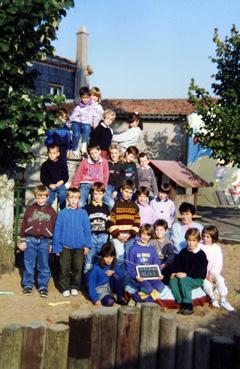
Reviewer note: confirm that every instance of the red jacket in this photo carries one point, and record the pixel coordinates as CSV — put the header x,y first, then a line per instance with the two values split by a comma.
x,y
90,172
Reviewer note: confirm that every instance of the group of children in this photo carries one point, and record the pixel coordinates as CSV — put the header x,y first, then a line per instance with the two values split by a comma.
x,y
113,218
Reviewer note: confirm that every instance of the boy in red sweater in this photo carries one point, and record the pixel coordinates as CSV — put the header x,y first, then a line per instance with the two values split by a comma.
x,y
36,238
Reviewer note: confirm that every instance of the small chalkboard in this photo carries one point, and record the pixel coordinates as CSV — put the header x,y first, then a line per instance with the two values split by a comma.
x,y
148,271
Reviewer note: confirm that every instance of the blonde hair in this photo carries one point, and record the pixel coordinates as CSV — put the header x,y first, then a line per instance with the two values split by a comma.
x,y
40,190
95,91
110,112
115,146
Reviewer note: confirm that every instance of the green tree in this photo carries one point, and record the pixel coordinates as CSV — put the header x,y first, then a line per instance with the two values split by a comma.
x,y
27,28
221,113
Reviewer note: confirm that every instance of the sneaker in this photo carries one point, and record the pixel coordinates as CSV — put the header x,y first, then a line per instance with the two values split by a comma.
x,y
74,292
66,293
227,306
187,311
27,291
215,303
43,292
84,148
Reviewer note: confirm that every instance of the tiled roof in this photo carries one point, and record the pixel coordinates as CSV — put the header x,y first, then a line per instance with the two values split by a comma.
x,y
147,107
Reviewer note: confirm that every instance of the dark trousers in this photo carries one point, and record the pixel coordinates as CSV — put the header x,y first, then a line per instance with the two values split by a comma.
x,y
71,265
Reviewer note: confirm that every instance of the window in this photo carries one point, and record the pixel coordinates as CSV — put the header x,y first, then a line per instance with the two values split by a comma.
x,y
55,89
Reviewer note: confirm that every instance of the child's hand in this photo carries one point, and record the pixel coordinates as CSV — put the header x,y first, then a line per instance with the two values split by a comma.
x,y
181,275
22,246
59,183
85,251
110,272
114,194
98,303
161,277
139,279
173,275
211,278
58,254
52,186
162,266
122,238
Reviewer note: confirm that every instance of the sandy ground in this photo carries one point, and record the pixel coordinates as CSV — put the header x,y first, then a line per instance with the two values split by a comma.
x,y
18,308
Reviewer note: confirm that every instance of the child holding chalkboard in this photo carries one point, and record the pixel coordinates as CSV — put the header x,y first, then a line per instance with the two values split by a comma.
x,y
142,253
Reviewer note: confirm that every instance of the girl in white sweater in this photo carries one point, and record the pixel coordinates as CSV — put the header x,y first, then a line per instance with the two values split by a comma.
x,y
214,283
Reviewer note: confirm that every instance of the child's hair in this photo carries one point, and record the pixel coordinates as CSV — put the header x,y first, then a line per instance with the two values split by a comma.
x,y
143,190
62,112
212,231
132,150
95,91
73,190
186,206
110,112
51,147
107,249
115,146
127,183
135,116
142,155
193,232
146,228
84,91
165,188
40,190
98,186
161,223
91,147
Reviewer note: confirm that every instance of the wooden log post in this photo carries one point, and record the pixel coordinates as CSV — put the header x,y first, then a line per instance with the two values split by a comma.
x,y
11,347
33,345
128,338
80,335
222,353
201,354
149,336
167,342
104,337
237,350
56,349
184,354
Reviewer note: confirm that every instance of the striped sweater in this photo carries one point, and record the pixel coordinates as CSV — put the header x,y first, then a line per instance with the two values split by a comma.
x,y
124,218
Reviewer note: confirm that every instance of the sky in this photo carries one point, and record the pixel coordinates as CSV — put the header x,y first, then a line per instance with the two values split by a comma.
x,y
148,49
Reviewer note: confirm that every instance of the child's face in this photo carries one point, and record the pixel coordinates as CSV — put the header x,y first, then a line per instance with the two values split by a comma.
x,y
53,154
108,119
145,237
41,199
98,196
126,194
186,217
85,98
108,260
160,232
73,199
95,154
114,154
135,123
207,239
192,243
95,98
143,199
129,157
143,162
162,196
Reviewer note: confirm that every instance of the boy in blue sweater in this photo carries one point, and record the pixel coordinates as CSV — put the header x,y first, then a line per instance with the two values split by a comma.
x,y
142,253
71,241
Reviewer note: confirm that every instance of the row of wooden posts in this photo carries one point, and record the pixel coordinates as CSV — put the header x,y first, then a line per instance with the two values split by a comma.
x,y
124,338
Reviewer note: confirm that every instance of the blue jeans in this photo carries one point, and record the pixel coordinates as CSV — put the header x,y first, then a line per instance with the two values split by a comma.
x,y
107,198
61,195
79,129
97,241
85,189
37,249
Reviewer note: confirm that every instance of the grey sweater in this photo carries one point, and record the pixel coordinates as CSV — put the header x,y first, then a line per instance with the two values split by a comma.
x,y
147,178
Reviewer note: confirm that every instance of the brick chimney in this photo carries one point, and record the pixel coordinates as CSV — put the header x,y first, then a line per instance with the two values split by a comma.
x,y
82,48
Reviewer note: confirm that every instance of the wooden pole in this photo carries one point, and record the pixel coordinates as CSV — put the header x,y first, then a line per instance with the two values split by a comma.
x,y
128,337
184,348
149,336
11,347
56,351
167,342
33,345
104,337
80,334
201,356
222,353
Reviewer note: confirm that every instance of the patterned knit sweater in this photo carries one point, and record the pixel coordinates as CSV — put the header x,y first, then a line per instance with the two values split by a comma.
x,y
124,218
